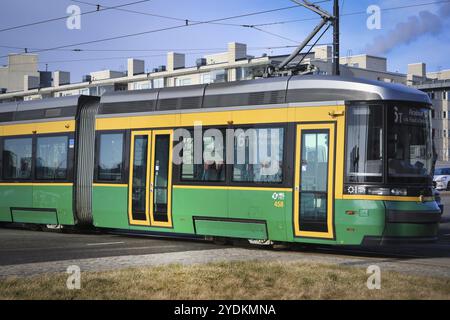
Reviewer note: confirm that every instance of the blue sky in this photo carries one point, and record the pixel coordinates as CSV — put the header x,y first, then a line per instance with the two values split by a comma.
x,y
431,45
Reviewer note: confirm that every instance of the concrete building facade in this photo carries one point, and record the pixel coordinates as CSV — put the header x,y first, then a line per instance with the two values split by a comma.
x,y
20,72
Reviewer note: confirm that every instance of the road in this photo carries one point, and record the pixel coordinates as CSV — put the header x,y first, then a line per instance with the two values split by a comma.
x,y
24,252
23,246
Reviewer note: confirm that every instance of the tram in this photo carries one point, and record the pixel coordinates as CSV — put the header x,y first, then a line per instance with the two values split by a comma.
x,y
323,160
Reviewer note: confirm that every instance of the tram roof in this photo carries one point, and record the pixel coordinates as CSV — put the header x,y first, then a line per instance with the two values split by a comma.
x,y
61,102
300,89
270,91
53,108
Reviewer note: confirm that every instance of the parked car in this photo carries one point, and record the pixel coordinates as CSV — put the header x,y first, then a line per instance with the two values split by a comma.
x,y
437,198
441,179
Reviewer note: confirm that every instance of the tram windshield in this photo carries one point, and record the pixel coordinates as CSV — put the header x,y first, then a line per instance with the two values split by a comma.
x,y
393,139
409,145
364,145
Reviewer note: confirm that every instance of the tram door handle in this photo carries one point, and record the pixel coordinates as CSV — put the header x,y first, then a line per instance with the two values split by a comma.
x,y
151,187
297,188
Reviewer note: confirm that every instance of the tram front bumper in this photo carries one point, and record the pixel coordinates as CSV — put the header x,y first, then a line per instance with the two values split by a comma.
x,y
408,222
398,216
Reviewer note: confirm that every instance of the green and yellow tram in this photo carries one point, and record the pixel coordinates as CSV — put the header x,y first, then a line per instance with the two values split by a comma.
x,y
332,160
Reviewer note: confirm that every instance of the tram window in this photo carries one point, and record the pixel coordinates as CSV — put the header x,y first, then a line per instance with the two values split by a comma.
x,y
211,166
258,155
110,161
51,158
17,158
364,158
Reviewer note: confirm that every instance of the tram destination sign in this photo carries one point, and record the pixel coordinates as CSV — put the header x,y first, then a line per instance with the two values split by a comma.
x,y
410,116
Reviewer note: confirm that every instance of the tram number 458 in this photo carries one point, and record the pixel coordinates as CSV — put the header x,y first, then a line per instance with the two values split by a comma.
x,y
278,204
278,198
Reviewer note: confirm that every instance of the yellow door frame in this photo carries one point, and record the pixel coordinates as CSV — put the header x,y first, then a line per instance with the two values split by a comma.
x,y
167,224
130,184
330,192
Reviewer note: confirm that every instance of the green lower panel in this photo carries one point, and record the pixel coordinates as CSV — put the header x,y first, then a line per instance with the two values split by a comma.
x,y
274,207
5,216
55,198
368,220
189,203
221,212
39,217
14,196
110,207
257,231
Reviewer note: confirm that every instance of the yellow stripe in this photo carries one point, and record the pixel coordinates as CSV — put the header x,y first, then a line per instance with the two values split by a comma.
x,y
37,184
386,198
110,185
38,128
232,188
237,117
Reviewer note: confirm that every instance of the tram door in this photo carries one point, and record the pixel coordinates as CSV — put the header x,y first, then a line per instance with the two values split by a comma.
x,y
150,181
314,181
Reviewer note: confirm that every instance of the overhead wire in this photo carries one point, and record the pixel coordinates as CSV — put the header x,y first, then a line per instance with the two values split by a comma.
x,y
255,27
159,30
99,9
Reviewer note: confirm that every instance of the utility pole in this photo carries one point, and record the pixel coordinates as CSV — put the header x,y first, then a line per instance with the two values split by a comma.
x,y
336,40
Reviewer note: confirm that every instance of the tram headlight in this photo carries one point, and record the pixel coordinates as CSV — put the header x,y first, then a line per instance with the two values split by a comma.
x,y
379,191
399,192
387,192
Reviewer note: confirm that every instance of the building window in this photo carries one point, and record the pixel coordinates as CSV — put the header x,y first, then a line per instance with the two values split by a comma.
x,y
248,73
211,166
433,114
182,82
17,158
110,158
445,134
432,95
142,85
218,76
158,83
258,155
205,78
444,95
84,91
51,158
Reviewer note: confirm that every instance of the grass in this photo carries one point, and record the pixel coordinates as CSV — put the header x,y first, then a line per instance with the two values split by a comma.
x,y
233,280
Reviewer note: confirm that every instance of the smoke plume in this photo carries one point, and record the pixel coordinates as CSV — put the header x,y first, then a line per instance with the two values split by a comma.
x,y
425,23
